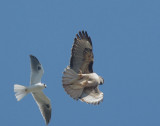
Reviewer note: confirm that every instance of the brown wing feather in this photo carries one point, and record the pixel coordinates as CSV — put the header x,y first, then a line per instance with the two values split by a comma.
x,y
82,55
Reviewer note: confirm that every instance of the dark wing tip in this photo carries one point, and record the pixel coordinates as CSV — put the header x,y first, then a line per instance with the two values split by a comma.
x,y
47,122
33,57
77,36
83,35
47,113
35,64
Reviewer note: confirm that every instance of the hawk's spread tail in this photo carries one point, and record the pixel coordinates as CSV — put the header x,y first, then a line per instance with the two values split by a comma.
x,y
20,91
70,83
69,76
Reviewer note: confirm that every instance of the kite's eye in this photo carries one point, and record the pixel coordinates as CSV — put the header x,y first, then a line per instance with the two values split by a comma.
x,y
45,85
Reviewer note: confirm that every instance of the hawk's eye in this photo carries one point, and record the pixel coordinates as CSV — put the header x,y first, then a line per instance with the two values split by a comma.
x,y
39,67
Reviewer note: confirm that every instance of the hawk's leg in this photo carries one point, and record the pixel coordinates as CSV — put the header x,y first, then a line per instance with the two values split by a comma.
x,y
84,84
81,83
80,74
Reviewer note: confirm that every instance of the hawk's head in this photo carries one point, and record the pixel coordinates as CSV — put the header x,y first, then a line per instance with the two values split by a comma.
x,y
101,80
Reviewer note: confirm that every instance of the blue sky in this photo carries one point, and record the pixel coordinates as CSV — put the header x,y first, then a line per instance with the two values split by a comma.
x,y
126,45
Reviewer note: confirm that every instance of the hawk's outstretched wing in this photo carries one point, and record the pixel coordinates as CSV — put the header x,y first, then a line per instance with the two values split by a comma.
x,y
92,95
82,55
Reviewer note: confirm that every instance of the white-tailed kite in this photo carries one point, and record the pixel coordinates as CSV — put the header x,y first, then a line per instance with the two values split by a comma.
x,y
35,89
79,80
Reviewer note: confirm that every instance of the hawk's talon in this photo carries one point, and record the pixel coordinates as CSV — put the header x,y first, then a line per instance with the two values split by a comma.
x,y
80,74
85,83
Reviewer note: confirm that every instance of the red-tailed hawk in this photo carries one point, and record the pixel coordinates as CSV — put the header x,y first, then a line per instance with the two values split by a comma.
x,y
79,80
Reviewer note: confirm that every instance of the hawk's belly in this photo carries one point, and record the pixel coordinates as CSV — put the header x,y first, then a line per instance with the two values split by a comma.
x,y
93,80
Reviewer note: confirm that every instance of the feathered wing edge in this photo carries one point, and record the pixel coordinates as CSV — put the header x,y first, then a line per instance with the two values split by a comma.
x,y
44,105
92,95
81,54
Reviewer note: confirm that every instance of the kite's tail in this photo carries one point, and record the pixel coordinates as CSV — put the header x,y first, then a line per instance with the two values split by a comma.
x,y
20,91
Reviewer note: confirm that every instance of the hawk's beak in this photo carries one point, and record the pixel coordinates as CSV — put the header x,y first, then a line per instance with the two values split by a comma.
x,y
101,83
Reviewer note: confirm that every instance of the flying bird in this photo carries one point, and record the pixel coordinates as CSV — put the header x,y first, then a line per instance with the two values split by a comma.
x,y
79,80
35,89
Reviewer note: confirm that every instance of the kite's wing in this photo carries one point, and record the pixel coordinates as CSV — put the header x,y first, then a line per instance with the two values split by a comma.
x,y
44,105
36,70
